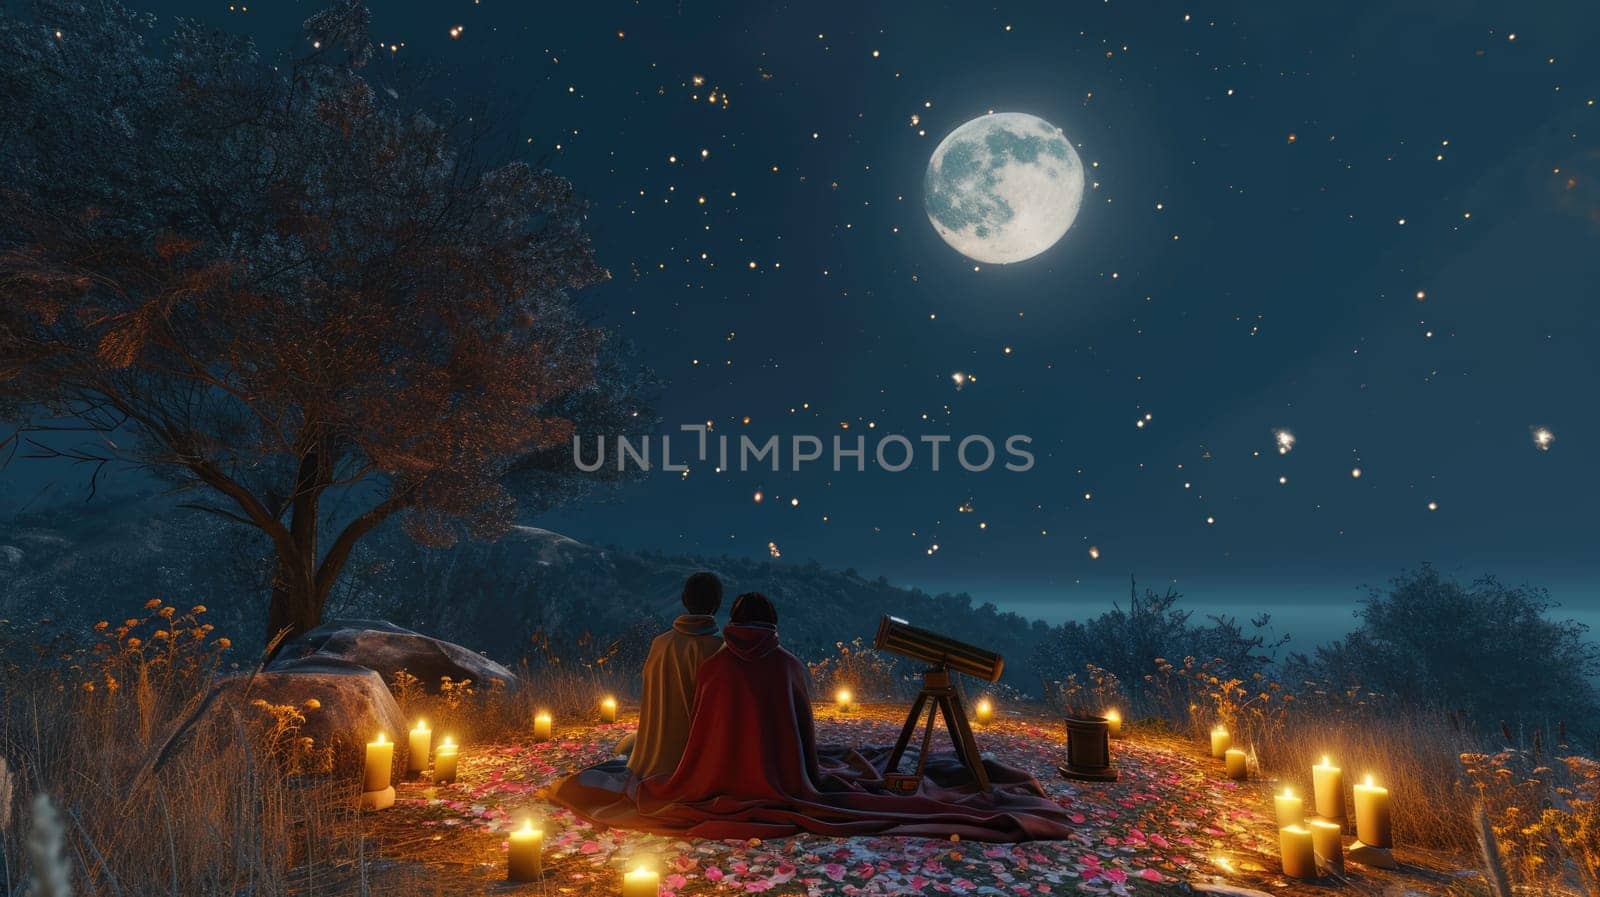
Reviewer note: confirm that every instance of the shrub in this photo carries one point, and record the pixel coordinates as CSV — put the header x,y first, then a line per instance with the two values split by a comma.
x,y
1484,650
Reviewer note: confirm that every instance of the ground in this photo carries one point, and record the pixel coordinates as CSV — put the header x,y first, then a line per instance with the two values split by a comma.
x,y
1172,822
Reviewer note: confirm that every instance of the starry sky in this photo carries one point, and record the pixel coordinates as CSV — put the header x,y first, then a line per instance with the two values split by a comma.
x,y
1372,226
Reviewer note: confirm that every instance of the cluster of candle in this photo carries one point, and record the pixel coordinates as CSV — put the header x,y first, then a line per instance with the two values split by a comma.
x,y
1234,760
525,846
377,772
1307,845
525,862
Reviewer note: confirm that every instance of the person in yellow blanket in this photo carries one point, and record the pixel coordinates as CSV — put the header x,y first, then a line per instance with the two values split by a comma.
x,y
669,678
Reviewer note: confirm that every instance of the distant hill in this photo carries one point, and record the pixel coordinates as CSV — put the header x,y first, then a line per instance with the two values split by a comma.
x,y
531,591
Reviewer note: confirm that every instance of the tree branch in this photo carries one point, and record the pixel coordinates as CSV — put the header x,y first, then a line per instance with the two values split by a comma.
x,y
339,551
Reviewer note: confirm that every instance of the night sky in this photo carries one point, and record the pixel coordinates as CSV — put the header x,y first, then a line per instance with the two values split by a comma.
x,y
1375,226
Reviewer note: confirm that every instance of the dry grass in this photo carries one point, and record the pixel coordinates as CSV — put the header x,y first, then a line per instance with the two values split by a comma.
x,y
1412,754
234,808
164,793
1446,777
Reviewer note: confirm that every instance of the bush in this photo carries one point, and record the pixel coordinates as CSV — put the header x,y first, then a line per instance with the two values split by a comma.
x,y
1484,650
1118,653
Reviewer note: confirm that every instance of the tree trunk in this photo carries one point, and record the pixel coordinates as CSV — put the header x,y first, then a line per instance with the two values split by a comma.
x,y
293,610
296,605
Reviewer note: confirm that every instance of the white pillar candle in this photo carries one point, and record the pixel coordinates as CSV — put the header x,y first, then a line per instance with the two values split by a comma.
x,y
1327,783
1327,840
1299,856
1237,769
1291,808
1220,742
608,710
541,727
380,757
420,744
1113,723
983,711
525,859
641,882
444,761
1372,815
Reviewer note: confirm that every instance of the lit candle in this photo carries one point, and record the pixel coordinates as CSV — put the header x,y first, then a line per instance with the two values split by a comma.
x,y
444,761
525,861
380,757
1220,742
1299,856
843,699
1327,783
420,744
984,711
641,882
541,726
1291,809
1327,839
1372,815
1236,764
608,710
1113,723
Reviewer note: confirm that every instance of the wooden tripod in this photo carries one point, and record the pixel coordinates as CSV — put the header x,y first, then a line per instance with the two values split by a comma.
x,y
939,696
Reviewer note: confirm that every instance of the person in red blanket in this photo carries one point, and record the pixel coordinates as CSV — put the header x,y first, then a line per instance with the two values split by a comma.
x,y
752,769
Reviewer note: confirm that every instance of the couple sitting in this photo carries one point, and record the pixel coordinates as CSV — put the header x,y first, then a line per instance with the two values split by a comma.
x,y
726,748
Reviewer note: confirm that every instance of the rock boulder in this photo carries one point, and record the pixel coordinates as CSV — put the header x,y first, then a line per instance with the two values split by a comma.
x,y
386,648
345,705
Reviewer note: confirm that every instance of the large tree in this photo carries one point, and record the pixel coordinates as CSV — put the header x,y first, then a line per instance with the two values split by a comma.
x,y
269,281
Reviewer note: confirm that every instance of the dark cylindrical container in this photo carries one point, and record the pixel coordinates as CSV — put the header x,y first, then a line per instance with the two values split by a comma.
x,y
1089,750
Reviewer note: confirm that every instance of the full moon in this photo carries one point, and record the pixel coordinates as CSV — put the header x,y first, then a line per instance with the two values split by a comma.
x,y
1004,187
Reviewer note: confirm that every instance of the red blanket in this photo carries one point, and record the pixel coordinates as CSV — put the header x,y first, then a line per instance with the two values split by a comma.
x,y
752,769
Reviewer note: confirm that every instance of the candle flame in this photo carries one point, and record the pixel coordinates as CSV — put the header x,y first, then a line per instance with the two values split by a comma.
x,y
1326,761
1368,783
449,742
1287,791
422,726
380,738
1219,730
527,827
844,696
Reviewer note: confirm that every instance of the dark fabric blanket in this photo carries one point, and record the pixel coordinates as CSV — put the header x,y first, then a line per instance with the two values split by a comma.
x,y
752,769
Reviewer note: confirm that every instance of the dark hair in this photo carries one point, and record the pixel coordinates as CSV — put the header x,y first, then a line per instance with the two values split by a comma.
x,y
754,607
702,593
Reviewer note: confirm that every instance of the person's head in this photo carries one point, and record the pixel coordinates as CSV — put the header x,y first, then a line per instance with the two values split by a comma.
x,y
702,593
754,607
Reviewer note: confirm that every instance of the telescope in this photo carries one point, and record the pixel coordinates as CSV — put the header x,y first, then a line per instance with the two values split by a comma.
x,y
899,637
939,695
